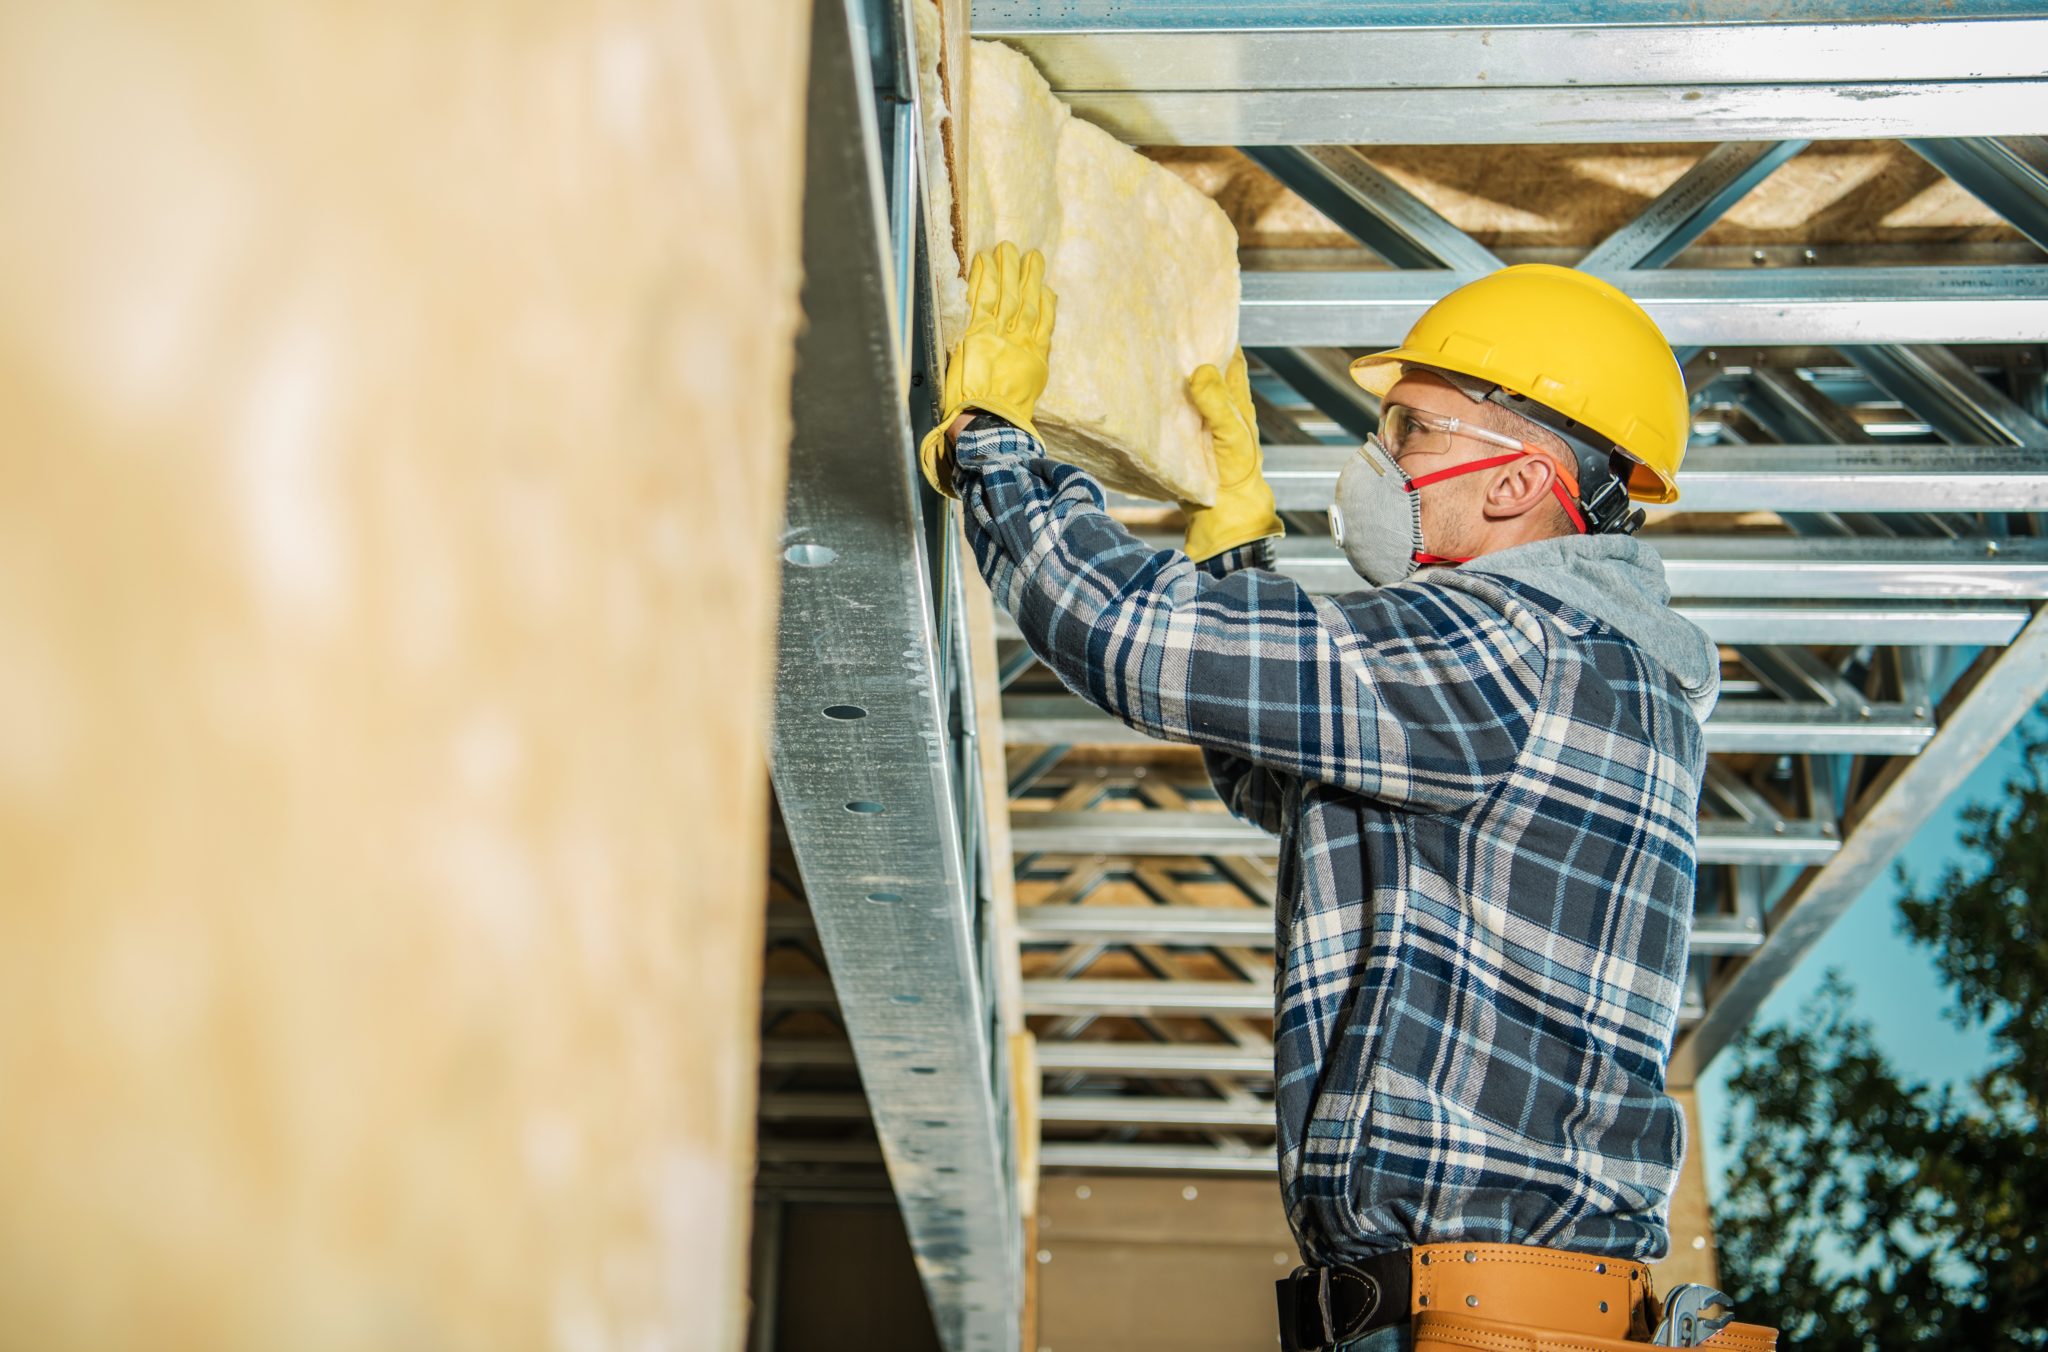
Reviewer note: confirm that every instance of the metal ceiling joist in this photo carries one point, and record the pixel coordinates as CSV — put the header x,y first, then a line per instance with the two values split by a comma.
x,y
1683,211
1258,74
1216,833
2010,176
1566,114
1707,567
1693,306
1116,1157
869,801
1965,624
1113,1110
1485,44
1736,725
1252,927
1370,206
1148,997
1979,712
1792,478
1968,624
1162,1059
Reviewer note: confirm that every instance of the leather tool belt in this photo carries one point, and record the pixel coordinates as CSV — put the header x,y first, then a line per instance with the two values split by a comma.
x,y
1495,1297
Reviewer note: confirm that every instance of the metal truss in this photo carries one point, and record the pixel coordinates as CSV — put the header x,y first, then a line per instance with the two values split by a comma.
x,y
872,759
2010,176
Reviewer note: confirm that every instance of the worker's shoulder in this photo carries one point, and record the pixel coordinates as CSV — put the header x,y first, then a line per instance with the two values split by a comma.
x,y
1453,606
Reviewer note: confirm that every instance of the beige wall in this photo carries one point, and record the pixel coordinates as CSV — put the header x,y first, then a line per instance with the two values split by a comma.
x,y
393,404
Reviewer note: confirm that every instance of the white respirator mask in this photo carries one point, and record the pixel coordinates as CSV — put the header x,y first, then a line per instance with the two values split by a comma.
x,y
1376,518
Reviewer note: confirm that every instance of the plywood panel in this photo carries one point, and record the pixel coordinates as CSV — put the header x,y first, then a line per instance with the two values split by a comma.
x,y
395,445
1182,1263
1572,196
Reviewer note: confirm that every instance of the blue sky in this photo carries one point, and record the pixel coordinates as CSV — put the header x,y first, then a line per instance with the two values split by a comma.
x,y
1897,990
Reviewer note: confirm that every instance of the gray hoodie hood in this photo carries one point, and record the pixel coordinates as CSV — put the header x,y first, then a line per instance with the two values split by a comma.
x,y
1619,580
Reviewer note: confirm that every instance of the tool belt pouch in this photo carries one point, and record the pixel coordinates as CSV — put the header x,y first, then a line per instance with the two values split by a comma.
x,y
1450,1332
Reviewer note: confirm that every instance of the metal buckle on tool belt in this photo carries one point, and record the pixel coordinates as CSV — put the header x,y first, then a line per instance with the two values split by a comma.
x,y
1325,1307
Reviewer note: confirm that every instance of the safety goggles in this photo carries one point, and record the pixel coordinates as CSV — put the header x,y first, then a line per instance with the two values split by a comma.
x,y
1404,429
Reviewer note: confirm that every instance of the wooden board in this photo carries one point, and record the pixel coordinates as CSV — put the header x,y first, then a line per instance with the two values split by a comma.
x,y
1169,1262
394,466
1572,196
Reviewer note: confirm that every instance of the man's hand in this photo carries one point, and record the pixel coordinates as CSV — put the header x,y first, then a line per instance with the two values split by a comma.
x,y
1244,500
999,365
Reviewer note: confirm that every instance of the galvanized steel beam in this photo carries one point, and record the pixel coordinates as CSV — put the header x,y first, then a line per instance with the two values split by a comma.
x,y
1693,306
1094,45
1117,1157
1164,1060
1704,567
1791,478
861,754
1252,927
1967,624
1147,997
1143,1111
1736,725
1567,114
1351,75
1213,833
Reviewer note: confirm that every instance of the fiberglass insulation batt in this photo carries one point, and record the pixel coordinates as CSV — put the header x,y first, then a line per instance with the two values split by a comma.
x,y
1144,265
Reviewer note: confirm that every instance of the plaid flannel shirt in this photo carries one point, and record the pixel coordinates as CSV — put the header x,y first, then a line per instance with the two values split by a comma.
x,y
1486,803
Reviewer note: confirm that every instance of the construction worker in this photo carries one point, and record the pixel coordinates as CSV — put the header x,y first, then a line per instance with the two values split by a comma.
x,y
1484,768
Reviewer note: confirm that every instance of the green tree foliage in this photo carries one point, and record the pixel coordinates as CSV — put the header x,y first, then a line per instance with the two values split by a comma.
x,y
1866,1211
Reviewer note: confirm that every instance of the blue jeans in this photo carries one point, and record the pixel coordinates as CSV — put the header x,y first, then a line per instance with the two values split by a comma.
x,y
1399,1338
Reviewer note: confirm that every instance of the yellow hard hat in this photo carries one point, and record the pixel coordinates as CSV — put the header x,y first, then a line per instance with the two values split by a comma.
x,y
1565,340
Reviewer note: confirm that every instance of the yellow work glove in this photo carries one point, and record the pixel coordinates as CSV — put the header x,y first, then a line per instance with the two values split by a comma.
x,y
1244,500
999,365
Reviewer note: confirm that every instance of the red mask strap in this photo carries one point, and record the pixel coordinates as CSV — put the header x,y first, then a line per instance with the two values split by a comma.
x,y
1571,509
1557,488
1473,468
1427,559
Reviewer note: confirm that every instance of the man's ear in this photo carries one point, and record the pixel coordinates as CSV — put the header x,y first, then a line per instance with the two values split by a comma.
x,y
1520,487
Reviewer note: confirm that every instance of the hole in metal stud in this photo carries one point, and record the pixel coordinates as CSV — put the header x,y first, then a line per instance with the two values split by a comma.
x,y
810,556
885,896
907,999
863,805
924,1070
845,713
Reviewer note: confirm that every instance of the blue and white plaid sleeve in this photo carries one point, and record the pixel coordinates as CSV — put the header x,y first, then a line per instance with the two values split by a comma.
x,y
1411,695
1252,792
